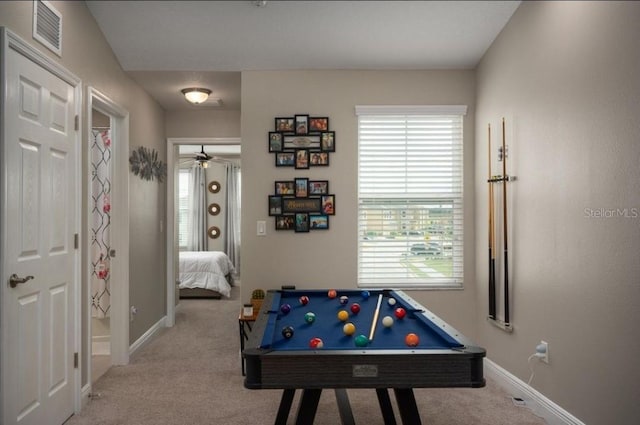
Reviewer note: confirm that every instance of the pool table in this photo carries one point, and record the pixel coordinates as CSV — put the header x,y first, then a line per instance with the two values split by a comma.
x,y
277,359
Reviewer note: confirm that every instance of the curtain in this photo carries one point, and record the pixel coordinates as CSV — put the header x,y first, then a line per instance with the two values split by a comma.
x,y
232,221
197,211
100,222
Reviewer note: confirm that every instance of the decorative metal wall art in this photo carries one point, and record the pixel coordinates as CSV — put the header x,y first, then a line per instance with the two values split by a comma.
x,y
145,163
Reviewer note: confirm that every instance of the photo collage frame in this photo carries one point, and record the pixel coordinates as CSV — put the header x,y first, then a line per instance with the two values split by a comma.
x,y
302,141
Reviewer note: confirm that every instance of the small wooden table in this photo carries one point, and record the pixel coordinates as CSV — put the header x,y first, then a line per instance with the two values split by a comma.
x,y
244,326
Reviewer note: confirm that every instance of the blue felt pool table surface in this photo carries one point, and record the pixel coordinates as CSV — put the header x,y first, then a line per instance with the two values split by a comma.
x,y
329,328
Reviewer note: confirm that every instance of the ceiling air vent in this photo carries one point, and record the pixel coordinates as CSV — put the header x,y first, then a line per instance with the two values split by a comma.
x,y
47,26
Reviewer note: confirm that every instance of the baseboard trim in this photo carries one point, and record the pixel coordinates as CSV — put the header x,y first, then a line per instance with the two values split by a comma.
x,y
148,335
536,401
84,396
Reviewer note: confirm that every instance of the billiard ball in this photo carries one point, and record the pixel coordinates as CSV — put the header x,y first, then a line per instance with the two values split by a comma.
x,y
309,317
411,340
287,332
387,321
400,313
344,300
343,315
361,341
315,343
391,301
285,308
349,329
366,295
355,308
304,300
332,293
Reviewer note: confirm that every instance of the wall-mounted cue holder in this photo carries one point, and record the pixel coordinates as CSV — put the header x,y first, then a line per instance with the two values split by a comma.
x,y
493,180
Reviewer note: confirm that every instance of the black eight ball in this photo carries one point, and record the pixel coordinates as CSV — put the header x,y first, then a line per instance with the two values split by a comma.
x,y
287,332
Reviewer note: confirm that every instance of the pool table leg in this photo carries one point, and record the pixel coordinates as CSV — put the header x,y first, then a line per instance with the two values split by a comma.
x,y
285,407
385,406
344,407
308,406
407,406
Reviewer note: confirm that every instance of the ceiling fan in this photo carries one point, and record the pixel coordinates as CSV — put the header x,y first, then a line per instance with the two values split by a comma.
x,y
202,158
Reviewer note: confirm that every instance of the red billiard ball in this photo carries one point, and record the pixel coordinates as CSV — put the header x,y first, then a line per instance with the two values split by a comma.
x,y
304,300
400,313
315,343
411,340
332,293
355,308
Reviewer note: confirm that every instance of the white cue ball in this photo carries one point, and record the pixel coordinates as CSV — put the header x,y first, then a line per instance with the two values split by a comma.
x,y
392,301
387,321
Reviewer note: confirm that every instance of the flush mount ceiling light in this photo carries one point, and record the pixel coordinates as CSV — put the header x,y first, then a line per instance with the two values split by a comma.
x,y
196,95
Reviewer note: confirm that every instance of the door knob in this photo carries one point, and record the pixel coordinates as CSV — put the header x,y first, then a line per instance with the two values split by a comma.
x,y
14,280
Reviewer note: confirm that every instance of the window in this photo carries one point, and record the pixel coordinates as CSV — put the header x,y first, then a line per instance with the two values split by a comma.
x,y
410,215
183,208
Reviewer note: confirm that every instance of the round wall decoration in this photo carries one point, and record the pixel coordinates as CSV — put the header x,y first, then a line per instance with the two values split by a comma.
x,y
214,209
213,232
214,187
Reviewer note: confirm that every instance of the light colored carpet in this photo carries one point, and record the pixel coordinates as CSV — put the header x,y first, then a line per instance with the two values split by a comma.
x,y
190,374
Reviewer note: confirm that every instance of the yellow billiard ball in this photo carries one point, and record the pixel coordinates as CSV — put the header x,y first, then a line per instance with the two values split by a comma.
x,y
349,329
343,315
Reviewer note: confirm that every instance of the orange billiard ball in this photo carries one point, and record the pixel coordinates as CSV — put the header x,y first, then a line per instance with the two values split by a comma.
x,y
343,315
332,293
412,340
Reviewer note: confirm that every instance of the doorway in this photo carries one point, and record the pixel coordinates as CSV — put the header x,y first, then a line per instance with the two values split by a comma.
x,y
106,294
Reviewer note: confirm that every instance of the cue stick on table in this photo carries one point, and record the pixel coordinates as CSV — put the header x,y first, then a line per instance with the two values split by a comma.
x,y
375,318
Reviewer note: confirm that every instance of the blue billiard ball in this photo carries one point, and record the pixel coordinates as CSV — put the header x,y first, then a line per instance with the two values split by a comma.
x,y
285,308
366,295
344,300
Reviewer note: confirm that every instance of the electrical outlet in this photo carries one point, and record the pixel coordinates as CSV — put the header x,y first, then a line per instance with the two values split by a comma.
x,y
543,351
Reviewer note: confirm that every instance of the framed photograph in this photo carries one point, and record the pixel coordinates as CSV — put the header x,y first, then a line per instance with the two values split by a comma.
x,y
318,158
318,187
311,141
328,203
302,187
285,159
319,221
285,188
285,222
291,205
275,141
302,159
318,124
302,222
328,141
285,124
275,205
302,124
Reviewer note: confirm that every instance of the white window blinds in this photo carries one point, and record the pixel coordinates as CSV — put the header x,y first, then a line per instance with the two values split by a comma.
x,y
183,208
410,215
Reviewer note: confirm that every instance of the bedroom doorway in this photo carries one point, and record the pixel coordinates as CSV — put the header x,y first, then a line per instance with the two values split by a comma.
x,y
220,168
106,293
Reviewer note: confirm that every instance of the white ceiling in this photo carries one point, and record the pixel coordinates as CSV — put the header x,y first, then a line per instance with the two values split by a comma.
x,y
169,45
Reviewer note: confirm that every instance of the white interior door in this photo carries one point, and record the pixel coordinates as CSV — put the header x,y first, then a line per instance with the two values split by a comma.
x,y
39,209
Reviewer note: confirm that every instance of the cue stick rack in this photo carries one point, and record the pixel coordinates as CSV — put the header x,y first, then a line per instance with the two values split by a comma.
x,y
498,183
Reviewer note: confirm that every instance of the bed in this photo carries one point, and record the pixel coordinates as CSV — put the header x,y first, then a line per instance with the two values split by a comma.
x,y
205,274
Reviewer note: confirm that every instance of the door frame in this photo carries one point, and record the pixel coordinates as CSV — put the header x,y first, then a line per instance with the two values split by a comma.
x,y
119,323
172,237
10,40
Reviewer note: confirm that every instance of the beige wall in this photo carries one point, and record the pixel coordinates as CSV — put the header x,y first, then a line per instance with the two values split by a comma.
x,y
328,259
205,123
86,53
566,77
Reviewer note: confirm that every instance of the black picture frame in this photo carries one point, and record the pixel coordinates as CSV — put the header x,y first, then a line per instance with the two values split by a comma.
x,y
302,159
285,124
318,159
275,205
327,141
328,204
302,222
285,159
318,124
285,222
308,141
292,205
318,187
319,221
276,143
285,187
301,124
301,187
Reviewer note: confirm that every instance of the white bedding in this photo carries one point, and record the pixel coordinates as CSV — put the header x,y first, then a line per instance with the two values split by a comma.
x,y
206,269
